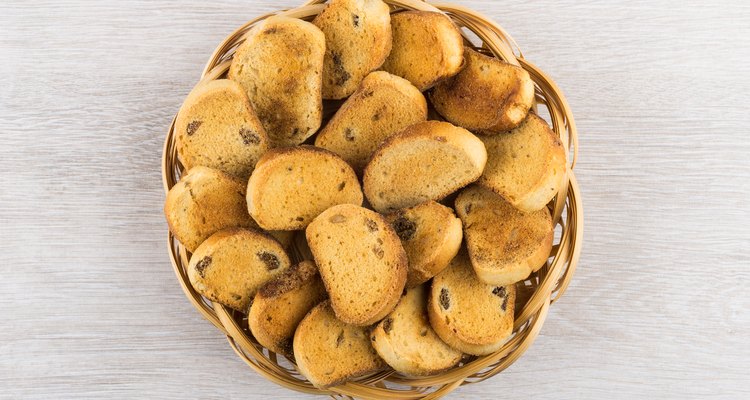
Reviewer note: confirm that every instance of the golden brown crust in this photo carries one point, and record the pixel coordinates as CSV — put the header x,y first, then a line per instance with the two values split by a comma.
x,y
526,165
329,352
468,314
431,235
358,39
291,186
347,235
382,106
427,47
405,340
280,65
505,245
426,161
203,202
488,95
231,265
217,128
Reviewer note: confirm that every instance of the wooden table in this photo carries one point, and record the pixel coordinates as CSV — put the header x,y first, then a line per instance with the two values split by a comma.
x,y
658,308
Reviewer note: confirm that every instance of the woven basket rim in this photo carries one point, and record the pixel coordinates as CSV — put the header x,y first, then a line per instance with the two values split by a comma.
x,y
544,287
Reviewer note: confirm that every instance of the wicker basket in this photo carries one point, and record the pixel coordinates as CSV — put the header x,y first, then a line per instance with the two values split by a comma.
x,y
535,295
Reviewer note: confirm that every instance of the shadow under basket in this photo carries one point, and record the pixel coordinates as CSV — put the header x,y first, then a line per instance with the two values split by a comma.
x,y
535,294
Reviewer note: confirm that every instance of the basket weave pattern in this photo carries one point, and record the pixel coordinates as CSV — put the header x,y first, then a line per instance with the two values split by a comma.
x,y
535,294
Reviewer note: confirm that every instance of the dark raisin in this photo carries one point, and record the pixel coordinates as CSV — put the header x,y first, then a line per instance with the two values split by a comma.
x,y
192,127
355,20
380,112
340,339
349,135
300,219
504,306
269,318
387,325
499,291
271,260
338,69
440,138
379,253
372,226
404,228
445,300
249,137
342,185
200,268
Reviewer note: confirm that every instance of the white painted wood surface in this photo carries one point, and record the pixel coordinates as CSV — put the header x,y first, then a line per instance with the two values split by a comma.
x,y
658,308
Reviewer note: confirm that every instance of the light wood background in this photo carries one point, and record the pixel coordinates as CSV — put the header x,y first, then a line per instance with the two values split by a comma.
x,y
658,309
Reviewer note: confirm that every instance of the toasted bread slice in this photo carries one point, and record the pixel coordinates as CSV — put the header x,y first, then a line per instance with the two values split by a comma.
x,y
468,314
232,264
426,161
361,261
487,96
431,235
382,106
330,352
505,245
217,128
407,342
427,47
526,165
358,39
203,202
280,65
281,304
291,186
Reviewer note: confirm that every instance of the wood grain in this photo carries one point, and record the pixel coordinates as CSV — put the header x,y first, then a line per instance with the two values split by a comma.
x,y
658,307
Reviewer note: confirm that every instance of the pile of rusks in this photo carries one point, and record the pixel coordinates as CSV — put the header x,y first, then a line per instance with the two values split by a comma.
x,y
374,194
